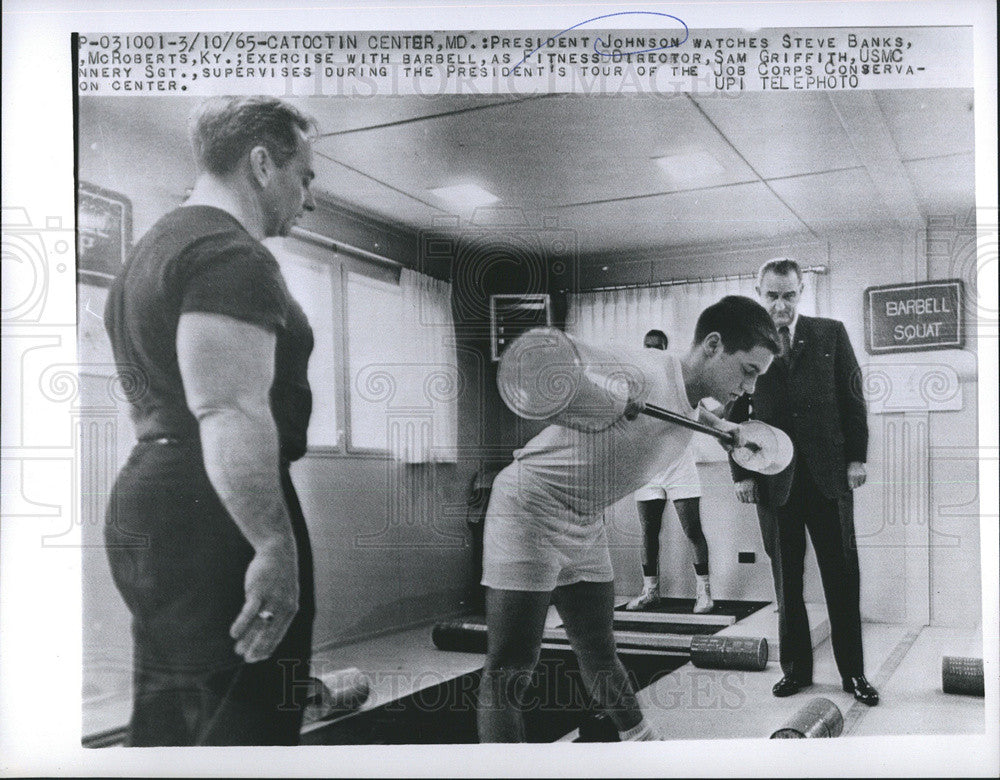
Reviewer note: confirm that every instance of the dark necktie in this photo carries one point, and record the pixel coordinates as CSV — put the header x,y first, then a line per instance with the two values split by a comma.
x,y
786,344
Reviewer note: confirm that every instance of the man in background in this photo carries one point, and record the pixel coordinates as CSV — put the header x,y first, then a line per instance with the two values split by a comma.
x,y
679,483
812,392
204,532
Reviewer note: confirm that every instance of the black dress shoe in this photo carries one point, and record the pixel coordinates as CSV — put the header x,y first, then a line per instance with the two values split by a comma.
x,y
788,685
862,690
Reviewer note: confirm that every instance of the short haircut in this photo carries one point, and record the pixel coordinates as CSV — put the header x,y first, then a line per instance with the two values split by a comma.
x,y
224,129
659,334
741,322
782,266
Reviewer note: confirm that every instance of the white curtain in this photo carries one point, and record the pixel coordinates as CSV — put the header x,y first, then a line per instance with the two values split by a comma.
x,y
620,318
423,417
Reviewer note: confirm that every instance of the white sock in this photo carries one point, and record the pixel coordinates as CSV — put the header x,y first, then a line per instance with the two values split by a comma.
x,y
641,732
651,583
701,579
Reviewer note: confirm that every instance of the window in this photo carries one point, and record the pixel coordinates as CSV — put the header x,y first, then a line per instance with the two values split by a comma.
x,y
402,369
373,334
311,283
384,360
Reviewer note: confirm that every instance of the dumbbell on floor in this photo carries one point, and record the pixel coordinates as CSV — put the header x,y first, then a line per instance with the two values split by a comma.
x,y
818,718
704,651
962,675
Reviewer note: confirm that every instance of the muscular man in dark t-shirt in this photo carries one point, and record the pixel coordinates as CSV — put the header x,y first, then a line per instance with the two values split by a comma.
x,y
201,259
204,532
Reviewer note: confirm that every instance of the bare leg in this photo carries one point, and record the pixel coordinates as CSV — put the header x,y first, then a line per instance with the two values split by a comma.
x,y
587,610
651,520
515,621
689,513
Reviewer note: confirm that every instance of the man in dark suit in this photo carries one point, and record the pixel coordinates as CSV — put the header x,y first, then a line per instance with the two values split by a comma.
x,y
812,392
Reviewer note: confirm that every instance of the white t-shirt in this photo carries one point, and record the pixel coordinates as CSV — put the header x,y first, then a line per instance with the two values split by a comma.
x,y
590,471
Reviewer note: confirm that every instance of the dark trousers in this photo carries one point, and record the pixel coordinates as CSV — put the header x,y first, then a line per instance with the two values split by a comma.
x,y
178,561
830,523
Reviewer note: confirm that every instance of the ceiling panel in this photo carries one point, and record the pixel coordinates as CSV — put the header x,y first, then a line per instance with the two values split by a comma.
x,y
833,201
157,114
332,114
945,185
545,152
593,156
351,188
782,134
928,122
346,114
745,212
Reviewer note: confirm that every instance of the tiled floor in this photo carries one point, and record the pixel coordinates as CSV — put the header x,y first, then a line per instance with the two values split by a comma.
x,y
904,663
912,696
706,704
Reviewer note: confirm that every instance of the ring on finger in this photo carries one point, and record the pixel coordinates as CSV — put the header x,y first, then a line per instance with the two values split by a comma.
x,y
266,615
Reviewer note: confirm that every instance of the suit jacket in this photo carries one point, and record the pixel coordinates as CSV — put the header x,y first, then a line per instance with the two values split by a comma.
x,y
818,401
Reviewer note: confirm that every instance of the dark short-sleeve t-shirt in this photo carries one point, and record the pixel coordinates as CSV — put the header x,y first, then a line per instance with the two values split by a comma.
x,y
201,259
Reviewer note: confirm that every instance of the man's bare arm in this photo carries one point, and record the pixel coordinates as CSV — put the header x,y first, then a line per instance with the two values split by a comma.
x,y
227,367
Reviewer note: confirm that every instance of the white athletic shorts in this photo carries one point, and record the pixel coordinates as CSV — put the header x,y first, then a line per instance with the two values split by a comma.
x,y
677,481
533,542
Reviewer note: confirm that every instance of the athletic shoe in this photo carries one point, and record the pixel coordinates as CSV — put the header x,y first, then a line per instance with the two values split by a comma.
x,y
645,600
703,603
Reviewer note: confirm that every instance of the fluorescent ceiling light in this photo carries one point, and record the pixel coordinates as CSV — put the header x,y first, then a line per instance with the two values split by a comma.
x,y
467,196
694,167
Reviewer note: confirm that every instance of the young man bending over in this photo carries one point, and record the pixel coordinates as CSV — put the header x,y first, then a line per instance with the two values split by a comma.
x,y
544,538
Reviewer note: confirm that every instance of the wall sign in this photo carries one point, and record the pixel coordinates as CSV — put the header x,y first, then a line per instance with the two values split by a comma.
x,y
104,233
912,317
512,315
